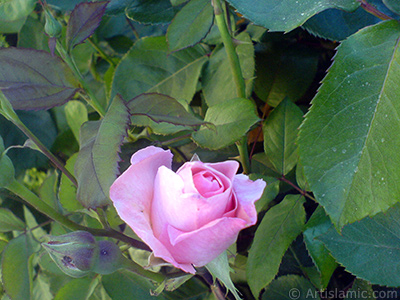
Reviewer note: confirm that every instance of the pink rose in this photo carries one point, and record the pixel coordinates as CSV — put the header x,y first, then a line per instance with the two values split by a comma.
x,y
189,217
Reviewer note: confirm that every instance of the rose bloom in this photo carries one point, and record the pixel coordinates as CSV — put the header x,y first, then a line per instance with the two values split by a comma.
x,y
190,217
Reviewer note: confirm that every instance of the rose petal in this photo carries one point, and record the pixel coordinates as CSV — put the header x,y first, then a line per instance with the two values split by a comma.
x,y
185,211
228,168
247,192
203,245
132,194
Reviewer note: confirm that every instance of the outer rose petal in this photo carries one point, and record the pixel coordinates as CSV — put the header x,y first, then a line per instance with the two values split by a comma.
x,y
132,194
247,192
203,245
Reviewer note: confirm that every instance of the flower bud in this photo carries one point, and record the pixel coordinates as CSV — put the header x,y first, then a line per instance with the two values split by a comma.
x,y
75,253
52,27
110,258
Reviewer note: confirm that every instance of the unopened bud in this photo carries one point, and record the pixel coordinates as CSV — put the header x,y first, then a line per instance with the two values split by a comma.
x,y
52,27
75,253
110,258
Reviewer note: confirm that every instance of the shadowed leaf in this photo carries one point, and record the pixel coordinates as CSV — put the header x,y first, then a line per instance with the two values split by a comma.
x,y
84,20
33,80
97,164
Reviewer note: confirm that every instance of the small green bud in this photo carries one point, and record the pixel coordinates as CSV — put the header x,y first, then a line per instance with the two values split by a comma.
x,y
52,27
75,253
110,258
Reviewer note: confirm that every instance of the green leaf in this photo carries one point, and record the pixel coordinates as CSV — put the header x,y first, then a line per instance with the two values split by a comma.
x,y
370,249
280,133
17,280
41,288
232,119
122,283
84,20
218,82
219,268
393,5
67,191
190,25
96,167
78,288
9,222
6,166
48,189
33,79
284,70
31,34
151,11
337,25
14,13
269,193
286,15
149,68
76,114
161,108
290,287
362,290
318,224
346,142
278,229
300,177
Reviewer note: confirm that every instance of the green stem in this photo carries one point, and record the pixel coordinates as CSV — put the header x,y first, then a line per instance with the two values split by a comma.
x,y
102,53
237,75
230,49
44,150
139,270
28,196
94,102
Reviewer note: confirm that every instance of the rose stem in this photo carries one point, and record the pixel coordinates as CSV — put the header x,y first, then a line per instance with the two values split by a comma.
x,y
28,196
236,72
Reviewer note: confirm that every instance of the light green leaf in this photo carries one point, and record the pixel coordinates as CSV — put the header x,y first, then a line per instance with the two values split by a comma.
x,y
31,34
149,68
280,133
122,283
370,249
290,287
232,119
218,82
67,191
78,288
41,288
9,222
47,191
346,143
220,269
13,14
31,223
318,224
286,15
96,167
6,166
190,25
76,114
279,227
17,280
